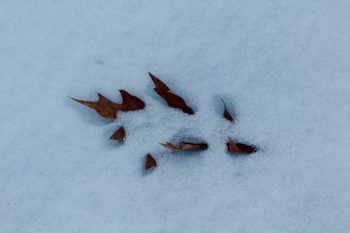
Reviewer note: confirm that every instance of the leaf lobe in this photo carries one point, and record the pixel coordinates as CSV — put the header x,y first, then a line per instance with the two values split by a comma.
x,y
104,107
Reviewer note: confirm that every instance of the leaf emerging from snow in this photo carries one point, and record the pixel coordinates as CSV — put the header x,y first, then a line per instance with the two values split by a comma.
x,y
185,146
170,146
108,109
119,135
130,102
193,146
227,114
150,162
104,107
171,98
240,148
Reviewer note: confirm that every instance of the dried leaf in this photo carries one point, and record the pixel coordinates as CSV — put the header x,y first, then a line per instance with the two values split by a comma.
x,y
159,85
104,107
130,102
119,135
170,146
171,98
193,146
150,162
240,148
108,109
227,114
186,146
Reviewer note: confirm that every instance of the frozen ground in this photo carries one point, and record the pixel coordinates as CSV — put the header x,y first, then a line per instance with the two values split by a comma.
x,y
283,66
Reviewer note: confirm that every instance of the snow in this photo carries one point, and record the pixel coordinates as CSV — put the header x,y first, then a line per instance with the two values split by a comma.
x,y
282,67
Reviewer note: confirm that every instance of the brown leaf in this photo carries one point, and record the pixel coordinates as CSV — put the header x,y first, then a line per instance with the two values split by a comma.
x,y
108,109
171,98
130,102
170,146
104,107
119,135
240,148
150,162
193,146
186,146
227,114
159,85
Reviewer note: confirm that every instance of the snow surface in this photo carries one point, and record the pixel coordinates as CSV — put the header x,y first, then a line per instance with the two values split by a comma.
x,y
282,66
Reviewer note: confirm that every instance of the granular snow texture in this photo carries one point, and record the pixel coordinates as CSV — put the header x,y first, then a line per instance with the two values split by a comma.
x,y
283,68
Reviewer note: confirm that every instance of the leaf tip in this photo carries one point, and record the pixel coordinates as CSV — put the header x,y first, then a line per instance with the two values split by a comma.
x,y
227,115
119,135
150,162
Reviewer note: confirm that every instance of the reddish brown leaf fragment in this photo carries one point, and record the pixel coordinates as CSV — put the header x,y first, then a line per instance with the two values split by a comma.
x,y
248,149
119,135
150,162
171,98
186,146
240,148
104,107
130,102
193,146
170,146
227,114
